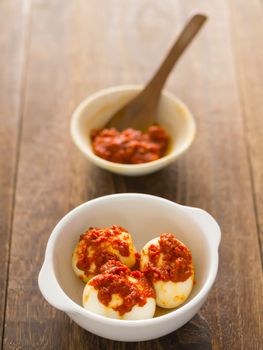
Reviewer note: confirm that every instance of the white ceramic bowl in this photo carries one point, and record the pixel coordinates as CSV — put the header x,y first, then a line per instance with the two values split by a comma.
x,y
145,217
96,110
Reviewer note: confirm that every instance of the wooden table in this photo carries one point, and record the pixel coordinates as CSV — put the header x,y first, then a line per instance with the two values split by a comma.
x,y
53,53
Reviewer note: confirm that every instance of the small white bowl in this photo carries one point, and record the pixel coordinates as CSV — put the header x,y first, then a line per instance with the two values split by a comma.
x,y
145,217
96,110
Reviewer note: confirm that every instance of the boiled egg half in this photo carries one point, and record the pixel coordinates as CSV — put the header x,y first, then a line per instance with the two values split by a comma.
x,y
120,293
98,245
167,263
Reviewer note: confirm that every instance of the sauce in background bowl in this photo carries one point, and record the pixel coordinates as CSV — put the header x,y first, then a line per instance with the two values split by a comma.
x,y
130,146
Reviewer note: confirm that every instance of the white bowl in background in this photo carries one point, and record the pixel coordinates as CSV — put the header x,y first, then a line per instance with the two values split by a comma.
x,y
96,110
145,217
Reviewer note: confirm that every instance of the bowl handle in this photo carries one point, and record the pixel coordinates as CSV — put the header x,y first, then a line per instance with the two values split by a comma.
x,y
212,229
51,290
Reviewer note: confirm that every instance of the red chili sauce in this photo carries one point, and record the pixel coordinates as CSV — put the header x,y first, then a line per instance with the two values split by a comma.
x,y
114,280
137,264
130,146
100,239
176,265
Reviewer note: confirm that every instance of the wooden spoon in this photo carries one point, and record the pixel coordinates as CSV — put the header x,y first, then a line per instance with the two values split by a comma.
x,y
141,111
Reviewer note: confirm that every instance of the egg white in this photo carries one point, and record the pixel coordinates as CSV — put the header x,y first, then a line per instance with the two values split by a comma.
x,y
169,294
172,294
129,261
91,302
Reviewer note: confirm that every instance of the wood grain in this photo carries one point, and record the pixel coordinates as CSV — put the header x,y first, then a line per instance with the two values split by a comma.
x,y
13,43
47,171
79,47
214,175
248,51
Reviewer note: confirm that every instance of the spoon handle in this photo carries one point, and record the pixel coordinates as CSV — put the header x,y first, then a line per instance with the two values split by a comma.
x,y
140,112
191,28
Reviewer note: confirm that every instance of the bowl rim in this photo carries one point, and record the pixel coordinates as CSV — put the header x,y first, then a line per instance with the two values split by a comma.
x,y
87,151
75,308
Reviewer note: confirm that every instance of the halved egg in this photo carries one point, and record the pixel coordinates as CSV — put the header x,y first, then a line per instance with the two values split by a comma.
x,y
98,245
167,263
120,293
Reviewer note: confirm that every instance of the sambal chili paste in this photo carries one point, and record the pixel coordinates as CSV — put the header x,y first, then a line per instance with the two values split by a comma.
x,y
169,260
98,240
130,146
116,278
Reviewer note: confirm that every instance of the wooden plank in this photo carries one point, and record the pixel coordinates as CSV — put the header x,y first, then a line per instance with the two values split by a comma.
x,y
52,173
79,47
215,175
247,29
13,43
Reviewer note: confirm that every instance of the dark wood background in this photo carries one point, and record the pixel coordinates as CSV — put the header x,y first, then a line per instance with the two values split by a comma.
x,y
53,53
